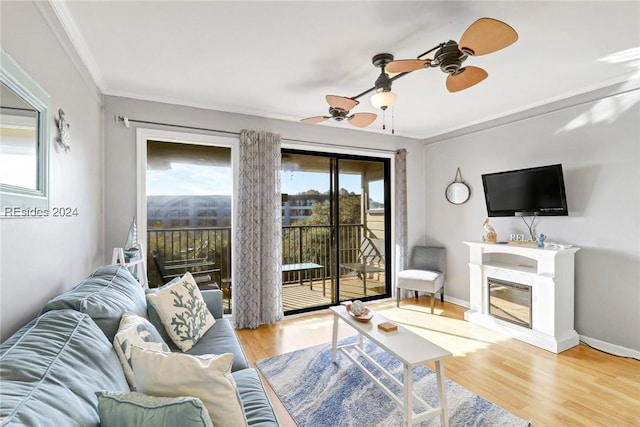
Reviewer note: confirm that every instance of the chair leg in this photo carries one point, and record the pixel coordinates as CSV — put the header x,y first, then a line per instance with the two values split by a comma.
x,y
442,294
433,301
398,290
415,294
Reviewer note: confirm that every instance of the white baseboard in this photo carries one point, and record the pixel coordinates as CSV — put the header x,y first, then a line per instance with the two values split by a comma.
x,y
456,301
614,349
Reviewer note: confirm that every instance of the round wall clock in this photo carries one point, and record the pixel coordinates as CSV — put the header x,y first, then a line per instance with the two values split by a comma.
x,y
457,192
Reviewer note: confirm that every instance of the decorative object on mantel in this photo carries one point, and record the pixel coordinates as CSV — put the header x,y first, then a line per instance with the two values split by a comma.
x,y
541,239
490,233
458,191
522,239
64,136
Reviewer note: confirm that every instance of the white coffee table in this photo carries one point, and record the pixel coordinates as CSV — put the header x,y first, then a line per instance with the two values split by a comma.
x,y
406,346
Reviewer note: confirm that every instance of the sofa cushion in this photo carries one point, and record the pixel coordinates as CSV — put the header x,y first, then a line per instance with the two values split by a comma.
x,y
255,403
205,377
104,296
221,338
135,331
118,409
211,297
51,369
182,310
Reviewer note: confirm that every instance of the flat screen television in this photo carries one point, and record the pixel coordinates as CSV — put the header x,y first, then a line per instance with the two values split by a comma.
x,y
526,192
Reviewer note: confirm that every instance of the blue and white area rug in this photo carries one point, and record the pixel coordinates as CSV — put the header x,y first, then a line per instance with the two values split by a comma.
x,y
318,393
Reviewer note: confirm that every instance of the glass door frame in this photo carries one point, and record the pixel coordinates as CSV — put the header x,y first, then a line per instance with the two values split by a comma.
x,y
336,157
143,135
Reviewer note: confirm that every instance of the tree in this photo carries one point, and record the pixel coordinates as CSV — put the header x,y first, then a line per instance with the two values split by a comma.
x,y
350,210
315,234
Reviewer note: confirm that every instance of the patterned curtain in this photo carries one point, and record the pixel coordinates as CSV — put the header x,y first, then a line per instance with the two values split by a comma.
x,y
401,211
257,268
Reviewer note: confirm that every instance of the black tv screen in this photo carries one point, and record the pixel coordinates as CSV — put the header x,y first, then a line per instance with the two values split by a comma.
x,y
523,192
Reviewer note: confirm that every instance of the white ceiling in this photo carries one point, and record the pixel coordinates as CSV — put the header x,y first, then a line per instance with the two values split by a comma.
x,y
279,59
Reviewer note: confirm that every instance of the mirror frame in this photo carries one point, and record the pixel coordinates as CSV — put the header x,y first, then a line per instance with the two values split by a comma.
x,y
452,193
17,202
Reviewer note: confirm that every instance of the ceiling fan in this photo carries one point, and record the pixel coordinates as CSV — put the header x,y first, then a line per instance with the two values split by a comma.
x,y
339,108
484,36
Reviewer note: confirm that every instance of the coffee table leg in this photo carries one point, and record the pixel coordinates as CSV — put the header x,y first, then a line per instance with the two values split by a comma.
x,y
408,396
334,338
442,397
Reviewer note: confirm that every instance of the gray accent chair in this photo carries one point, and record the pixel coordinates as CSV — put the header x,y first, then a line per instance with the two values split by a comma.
x,y
426,273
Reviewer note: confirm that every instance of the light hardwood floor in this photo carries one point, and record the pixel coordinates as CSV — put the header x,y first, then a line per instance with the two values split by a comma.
x,y
579,387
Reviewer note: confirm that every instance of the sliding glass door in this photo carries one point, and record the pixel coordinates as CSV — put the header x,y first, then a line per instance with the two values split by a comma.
x,y
335,216
362,229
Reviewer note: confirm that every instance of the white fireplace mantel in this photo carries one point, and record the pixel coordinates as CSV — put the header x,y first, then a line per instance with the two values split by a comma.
x,y
549,272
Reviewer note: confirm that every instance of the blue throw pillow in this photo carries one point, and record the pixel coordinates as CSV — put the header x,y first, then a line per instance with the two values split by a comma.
x,y
119,409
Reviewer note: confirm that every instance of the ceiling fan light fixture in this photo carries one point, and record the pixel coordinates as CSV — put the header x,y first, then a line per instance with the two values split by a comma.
x,y
383,100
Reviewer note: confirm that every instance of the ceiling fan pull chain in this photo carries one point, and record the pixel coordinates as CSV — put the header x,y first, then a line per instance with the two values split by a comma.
x,y
384,118
393,120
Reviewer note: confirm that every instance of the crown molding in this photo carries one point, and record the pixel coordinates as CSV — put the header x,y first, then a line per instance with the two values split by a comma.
x,y
59,19
621,85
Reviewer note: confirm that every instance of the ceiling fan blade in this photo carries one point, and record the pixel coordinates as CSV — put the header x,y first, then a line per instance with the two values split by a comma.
x,y
406,65
465,78
487,35
315,119
362,119
342,102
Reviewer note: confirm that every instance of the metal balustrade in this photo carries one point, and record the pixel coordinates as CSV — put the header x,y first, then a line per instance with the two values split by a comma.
x,y
300,244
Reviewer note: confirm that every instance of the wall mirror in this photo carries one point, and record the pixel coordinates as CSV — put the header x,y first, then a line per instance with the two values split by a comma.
x,y
24,143
458,192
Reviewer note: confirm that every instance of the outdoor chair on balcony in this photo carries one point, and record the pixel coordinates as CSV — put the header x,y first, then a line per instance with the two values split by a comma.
x,y
370,260
200,269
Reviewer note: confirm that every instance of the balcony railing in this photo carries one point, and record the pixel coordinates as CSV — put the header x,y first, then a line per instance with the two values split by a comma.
x,y
211,243
300,244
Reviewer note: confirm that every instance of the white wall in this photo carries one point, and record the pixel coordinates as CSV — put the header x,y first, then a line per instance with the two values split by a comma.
x,y
596,137
120,152
42,257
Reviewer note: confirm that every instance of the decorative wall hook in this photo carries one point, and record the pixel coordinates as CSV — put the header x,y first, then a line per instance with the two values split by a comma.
x,y
64,136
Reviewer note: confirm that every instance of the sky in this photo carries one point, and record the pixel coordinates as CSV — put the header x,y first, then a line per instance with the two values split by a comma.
x,y
185,179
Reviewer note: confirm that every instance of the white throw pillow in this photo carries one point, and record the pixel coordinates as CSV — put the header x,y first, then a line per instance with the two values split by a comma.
x,y
136,331
182,311
207,377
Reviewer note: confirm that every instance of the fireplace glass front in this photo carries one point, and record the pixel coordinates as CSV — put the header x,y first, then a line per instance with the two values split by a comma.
x,y
510,301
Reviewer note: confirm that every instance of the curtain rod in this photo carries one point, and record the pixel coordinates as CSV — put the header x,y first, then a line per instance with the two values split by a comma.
x,y
125,121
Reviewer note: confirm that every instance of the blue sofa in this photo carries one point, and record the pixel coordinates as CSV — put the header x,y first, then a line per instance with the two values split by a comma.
x,y
51,368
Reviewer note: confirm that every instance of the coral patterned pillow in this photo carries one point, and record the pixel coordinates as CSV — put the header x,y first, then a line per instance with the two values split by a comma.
x,y
183,312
